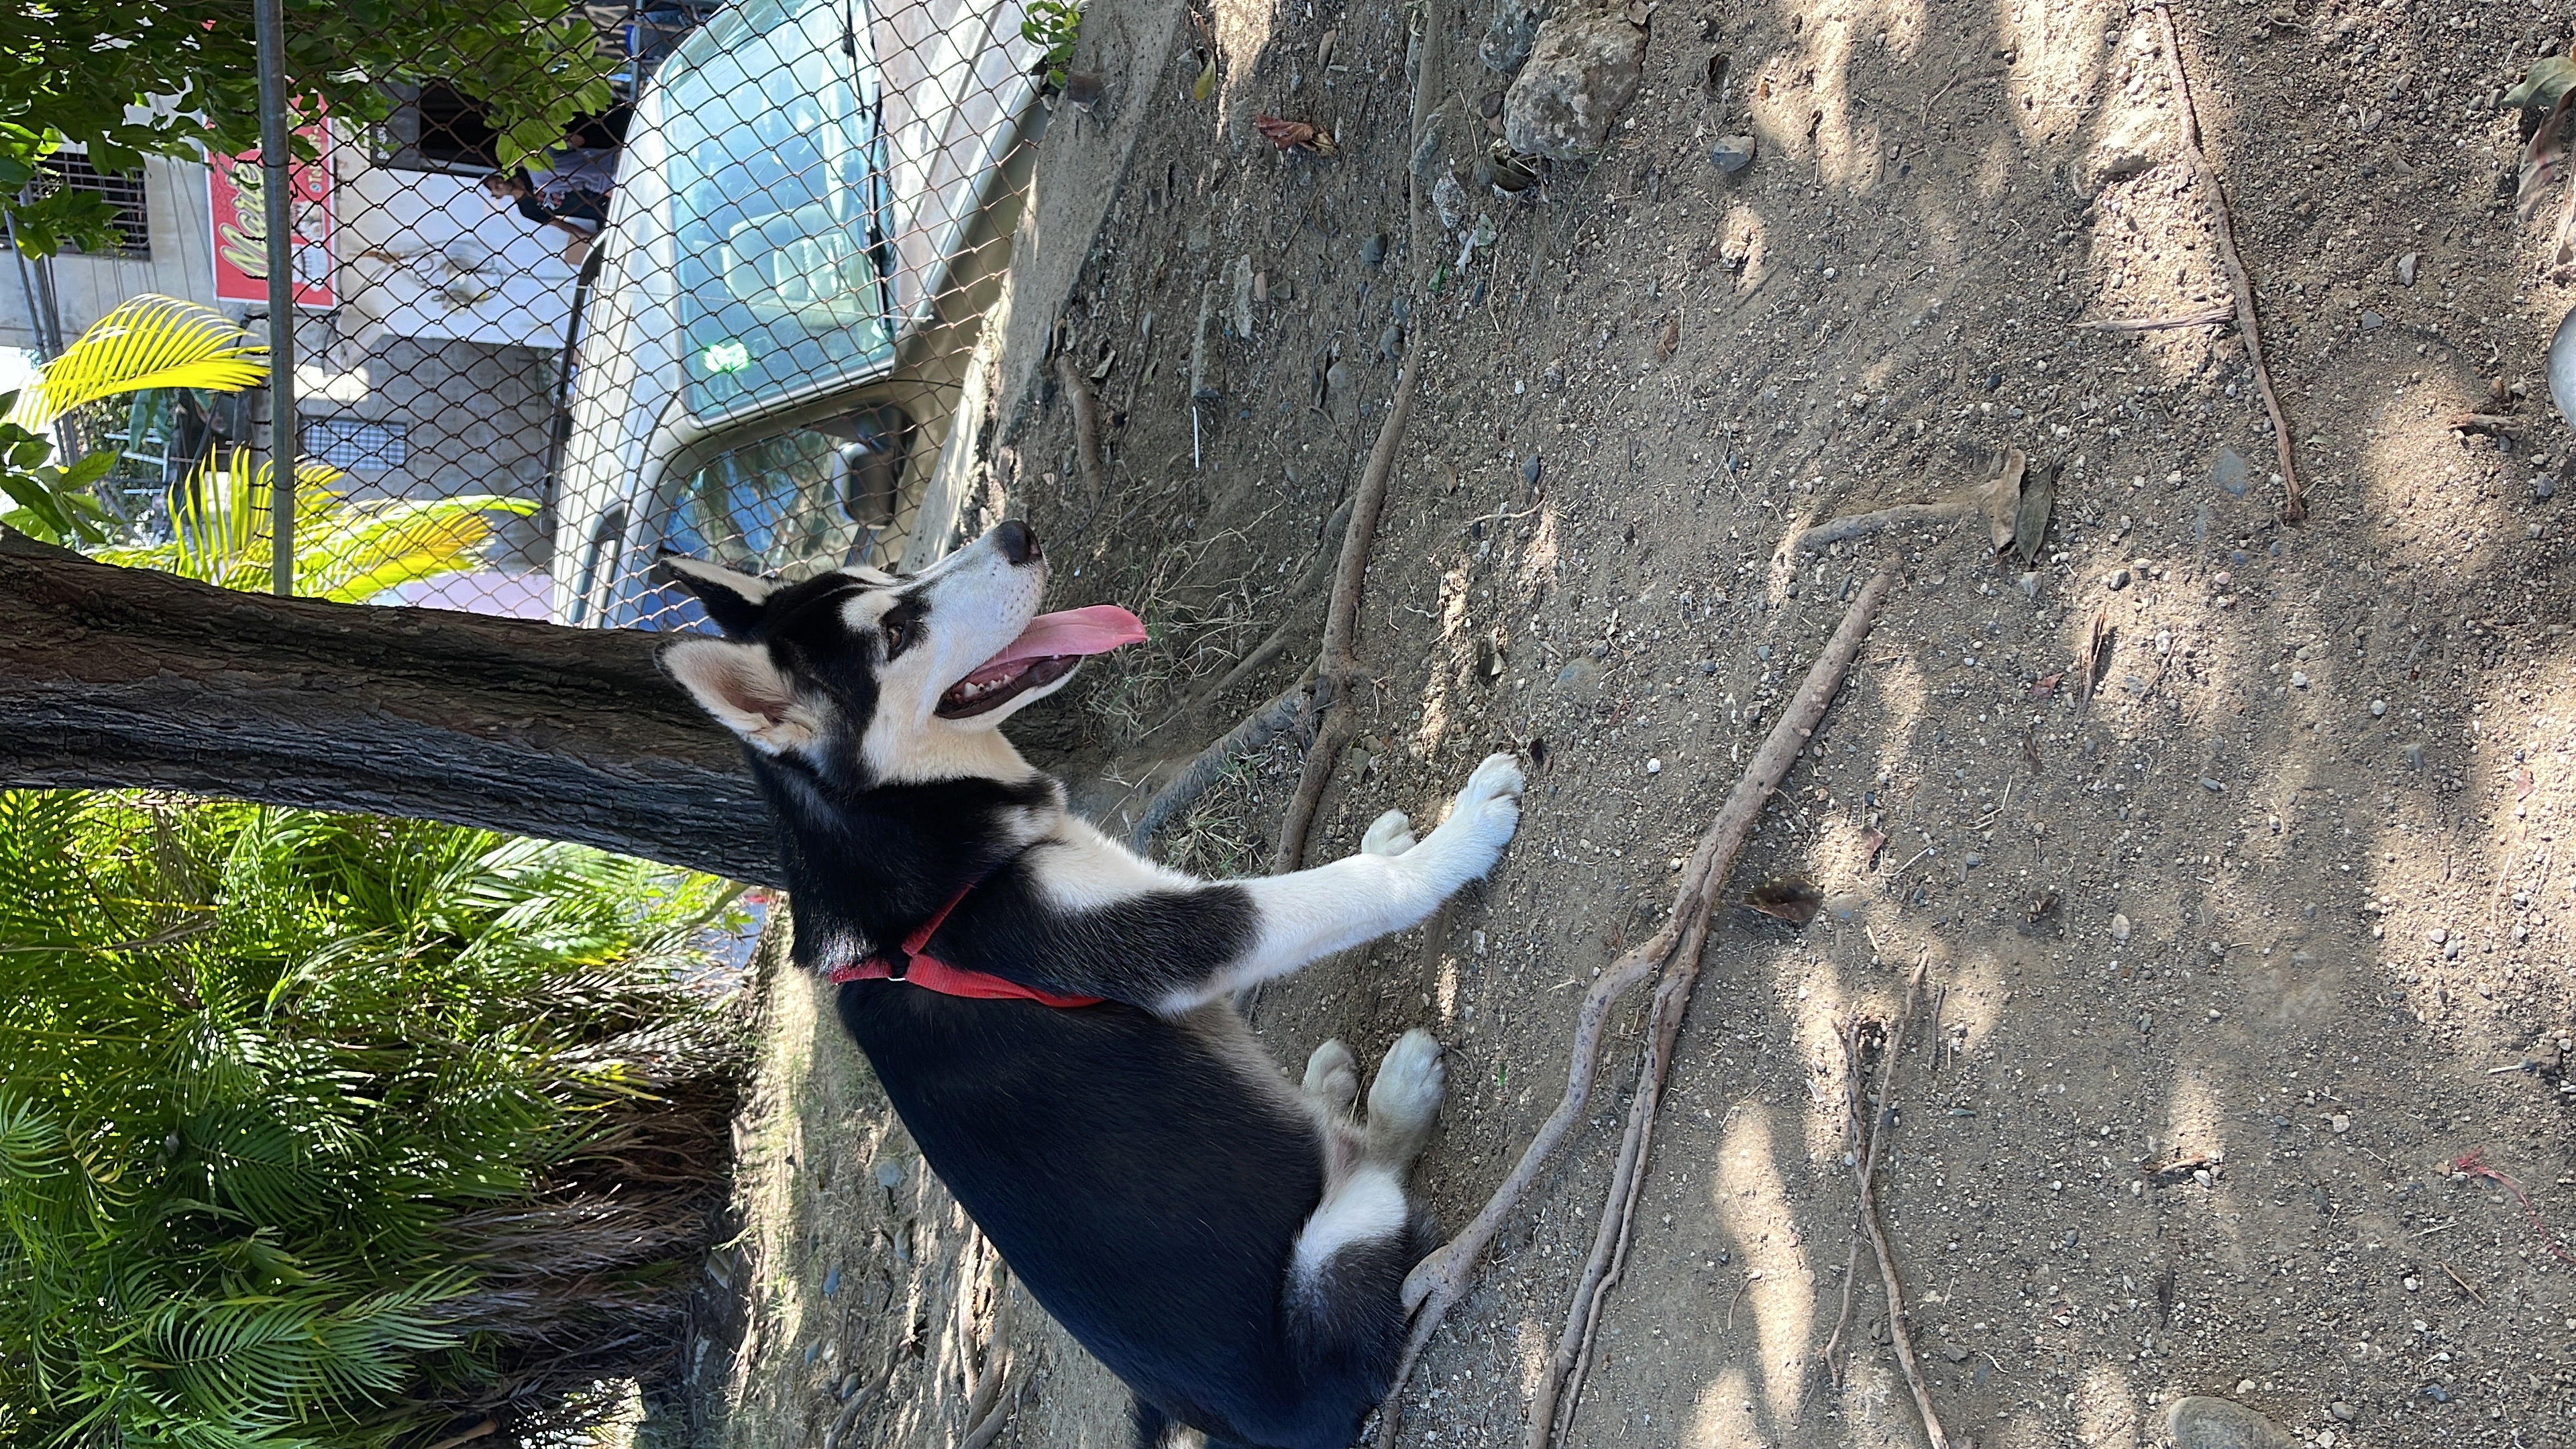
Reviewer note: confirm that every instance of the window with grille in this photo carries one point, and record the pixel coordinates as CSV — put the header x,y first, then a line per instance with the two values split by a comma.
x,y
356,446
71,171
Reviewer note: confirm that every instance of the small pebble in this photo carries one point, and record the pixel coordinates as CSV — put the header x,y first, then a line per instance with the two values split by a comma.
x,y
2371,321
1373,249
2244,1386
849,1384
1390,343
2116,580
2342,1411
889,1176
2378,707
2406,270
1529,474
2412,1284
2544,488
2414,757
2437,935
2298,679
1654,767
1732,153
2120,929
2340,1123
2213,787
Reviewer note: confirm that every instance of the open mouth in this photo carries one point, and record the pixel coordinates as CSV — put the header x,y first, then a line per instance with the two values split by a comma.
x,y
1053,646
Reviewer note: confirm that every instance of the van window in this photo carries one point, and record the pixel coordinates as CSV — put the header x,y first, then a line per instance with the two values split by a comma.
x,y
771,194
799,502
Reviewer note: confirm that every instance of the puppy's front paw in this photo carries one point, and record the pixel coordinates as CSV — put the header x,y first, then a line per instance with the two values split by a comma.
x,y
1389,834
1490,807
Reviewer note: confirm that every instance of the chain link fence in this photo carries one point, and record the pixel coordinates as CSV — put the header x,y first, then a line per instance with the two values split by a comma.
x,y
734,313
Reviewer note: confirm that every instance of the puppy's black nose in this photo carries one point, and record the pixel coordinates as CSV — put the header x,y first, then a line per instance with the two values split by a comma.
x,y
1017,541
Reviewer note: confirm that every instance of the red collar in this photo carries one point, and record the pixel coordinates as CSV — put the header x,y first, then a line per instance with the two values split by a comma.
x,y
932,974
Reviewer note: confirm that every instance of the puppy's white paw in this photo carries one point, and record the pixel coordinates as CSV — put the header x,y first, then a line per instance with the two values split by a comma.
x,y
1405,1099
1489,808
1389,834
1332,1077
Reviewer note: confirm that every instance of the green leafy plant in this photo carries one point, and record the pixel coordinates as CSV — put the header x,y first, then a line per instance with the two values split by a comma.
x,y
344,551
1053,26
104,74
325,1131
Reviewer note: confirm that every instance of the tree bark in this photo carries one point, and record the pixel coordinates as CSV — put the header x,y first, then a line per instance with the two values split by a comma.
x,y
118,678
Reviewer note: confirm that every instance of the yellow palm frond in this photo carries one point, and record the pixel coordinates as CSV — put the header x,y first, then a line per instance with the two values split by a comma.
x,y
349,552
148,341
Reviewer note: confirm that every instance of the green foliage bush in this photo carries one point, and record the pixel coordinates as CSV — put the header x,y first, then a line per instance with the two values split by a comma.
x,y
323,1130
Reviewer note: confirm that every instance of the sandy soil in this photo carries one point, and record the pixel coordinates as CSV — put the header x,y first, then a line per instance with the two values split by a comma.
x,y
2287,903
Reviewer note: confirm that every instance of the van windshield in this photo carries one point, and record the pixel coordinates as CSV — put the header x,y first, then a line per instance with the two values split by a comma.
x,y
771,205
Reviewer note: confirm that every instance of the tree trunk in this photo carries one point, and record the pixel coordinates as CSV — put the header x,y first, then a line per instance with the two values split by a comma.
x,y
115,678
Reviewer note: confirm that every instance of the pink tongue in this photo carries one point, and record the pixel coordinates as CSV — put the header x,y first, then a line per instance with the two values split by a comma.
x,y
1095,630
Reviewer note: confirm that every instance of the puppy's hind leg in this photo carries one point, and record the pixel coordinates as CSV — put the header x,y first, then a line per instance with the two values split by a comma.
x,y
1404,1101
1332,1080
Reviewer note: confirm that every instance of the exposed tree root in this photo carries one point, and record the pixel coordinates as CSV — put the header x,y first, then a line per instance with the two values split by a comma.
x,y
2294,508
1437,1283
1338,678
1257,730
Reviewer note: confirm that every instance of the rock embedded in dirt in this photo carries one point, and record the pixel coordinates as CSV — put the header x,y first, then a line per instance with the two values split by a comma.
x,y
1373,249
2200,1422
1584,69
2120,929
1510,34
1733,153
1450,199
2343,1412
2116,580
2406,270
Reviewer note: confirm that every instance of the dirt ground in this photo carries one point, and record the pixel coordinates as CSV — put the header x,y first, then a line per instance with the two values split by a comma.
x,y
2285,907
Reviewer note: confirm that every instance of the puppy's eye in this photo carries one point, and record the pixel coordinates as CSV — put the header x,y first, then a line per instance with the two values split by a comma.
x,y
898,632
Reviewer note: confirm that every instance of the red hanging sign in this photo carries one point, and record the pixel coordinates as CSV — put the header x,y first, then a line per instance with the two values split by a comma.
x,y
233,186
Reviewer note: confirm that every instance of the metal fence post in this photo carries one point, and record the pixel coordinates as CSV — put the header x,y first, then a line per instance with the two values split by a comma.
x,y
277,200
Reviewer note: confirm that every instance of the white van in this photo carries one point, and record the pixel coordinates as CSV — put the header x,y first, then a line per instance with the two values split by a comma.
x,y
812,214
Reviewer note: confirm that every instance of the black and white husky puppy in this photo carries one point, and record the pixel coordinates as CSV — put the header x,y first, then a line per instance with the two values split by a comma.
x,y
1230,1245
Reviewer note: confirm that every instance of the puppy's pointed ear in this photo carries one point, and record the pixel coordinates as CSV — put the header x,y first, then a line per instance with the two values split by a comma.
x,y
735,601
745,690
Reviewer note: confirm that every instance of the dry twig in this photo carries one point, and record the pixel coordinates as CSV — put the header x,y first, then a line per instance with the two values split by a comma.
x,y
1865,1152
1437,1283
1086,426
2294,508
2205,317
1900,1322
1839,530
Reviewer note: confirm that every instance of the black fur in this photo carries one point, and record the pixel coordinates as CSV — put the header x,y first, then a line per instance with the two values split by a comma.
x,y
1145,1175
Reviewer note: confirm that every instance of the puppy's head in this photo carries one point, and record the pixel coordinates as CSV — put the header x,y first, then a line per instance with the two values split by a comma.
x,y
867,678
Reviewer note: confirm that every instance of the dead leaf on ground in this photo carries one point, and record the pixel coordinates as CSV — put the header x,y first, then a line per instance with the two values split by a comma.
x,y
2544,159
1294,135
2030,519
2040,908
2545,84
2002,498
2522,783
1671,338
2046,685
1788,899
1870,845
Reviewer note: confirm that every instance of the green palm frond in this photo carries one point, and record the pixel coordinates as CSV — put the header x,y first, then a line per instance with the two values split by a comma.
x,y
148,341
346,552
